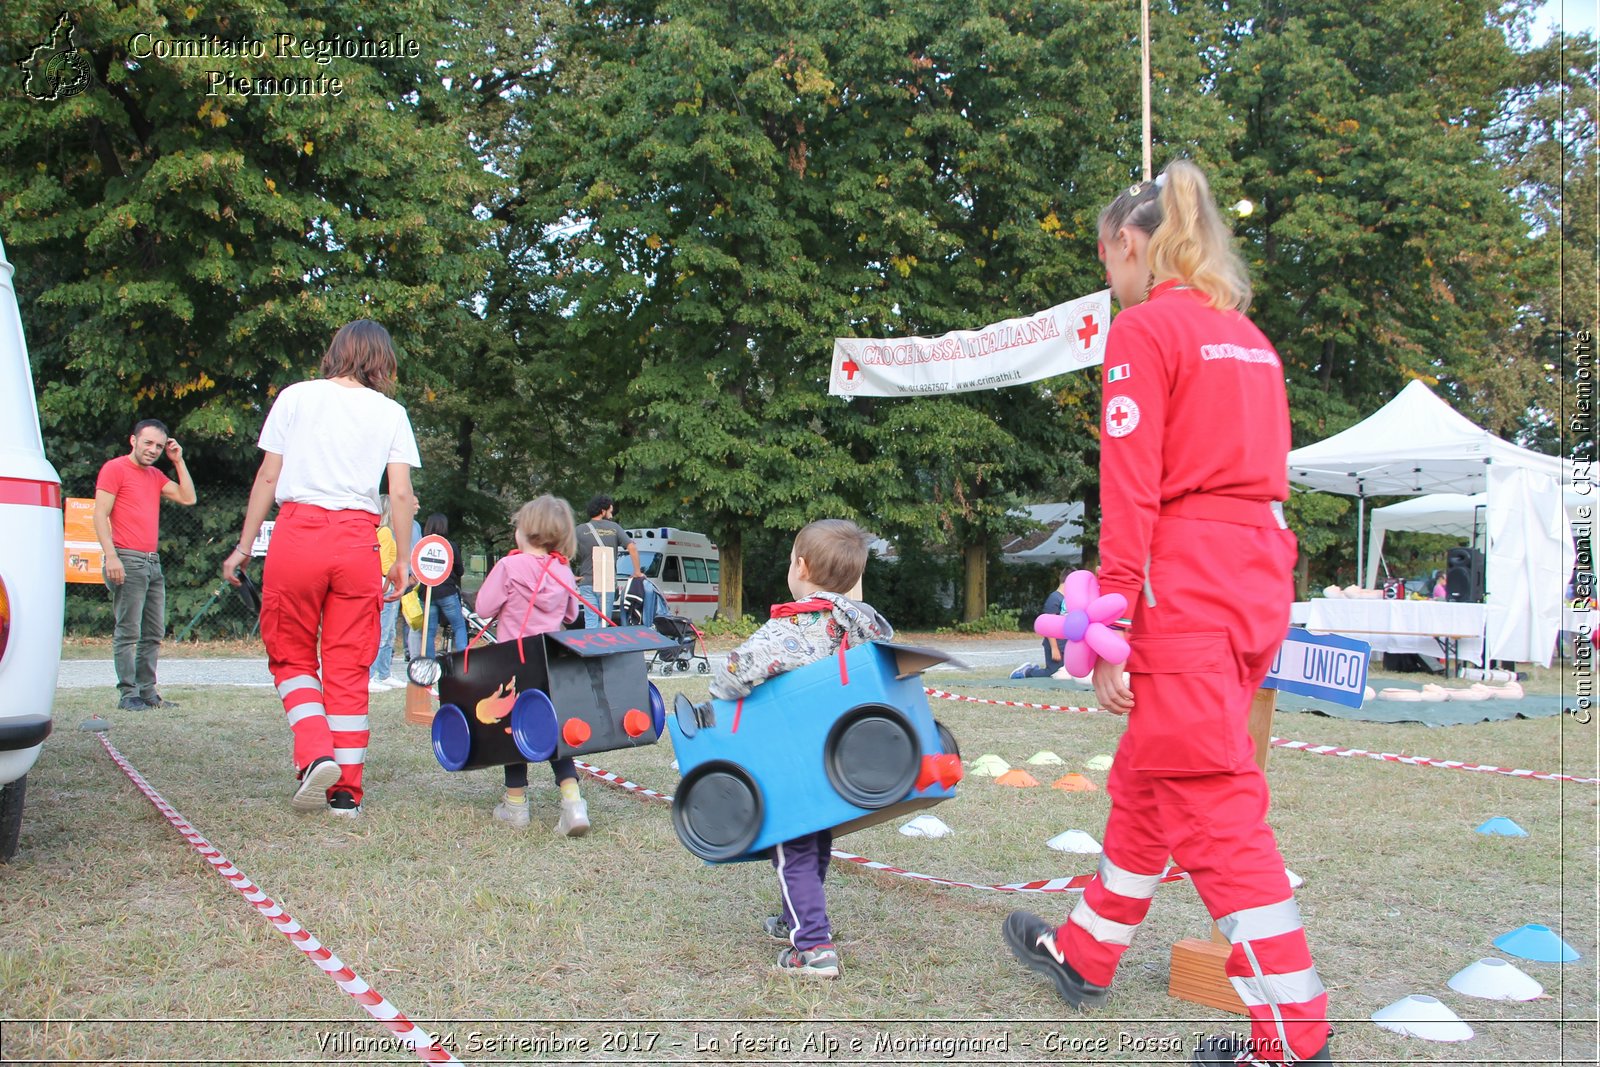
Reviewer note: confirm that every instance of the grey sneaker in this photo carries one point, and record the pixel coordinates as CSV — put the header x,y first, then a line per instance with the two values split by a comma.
x,y
314,785
514,814
574,821
156,700
775,927
819,962
131,704
1033,941
343,803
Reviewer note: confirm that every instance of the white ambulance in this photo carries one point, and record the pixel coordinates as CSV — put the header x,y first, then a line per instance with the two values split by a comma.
x,y
684,566
32,571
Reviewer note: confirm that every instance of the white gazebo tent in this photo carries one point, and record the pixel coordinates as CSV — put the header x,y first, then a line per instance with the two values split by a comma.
x,y
1418,444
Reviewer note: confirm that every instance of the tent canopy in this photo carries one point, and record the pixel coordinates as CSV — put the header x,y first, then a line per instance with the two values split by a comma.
x,y
1416,443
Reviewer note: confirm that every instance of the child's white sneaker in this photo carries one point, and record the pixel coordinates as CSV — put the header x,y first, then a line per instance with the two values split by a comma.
x,y
574,820
512,814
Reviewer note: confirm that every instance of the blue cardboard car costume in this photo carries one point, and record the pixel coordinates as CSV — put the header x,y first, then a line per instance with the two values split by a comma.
x,y
567,693
841,744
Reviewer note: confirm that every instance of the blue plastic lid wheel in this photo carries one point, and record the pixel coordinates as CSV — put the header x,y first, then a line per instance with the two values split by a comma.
x,y
658,710
452,737
533,725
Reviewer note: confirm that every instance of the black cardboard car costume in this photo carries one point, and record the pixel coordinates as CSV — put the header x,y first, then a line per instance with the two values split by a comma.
x,y
566,693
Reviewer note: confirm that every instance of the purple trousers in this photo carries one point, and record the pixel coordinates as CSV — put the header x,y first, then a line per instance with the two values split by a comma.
x,y
802,865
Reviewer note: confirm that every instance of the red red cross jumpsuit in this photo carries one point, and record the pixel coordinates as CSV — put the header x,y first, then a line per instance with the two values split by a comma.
x,y
1194,451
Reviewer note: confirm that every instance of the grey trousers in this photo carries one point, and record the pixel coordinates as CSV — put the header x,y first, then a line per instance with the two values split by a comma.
x,y
139,605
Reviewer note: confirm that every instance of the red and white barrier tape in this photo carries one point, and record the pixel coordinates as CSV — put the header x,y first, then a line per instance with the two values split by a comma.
x,y
1074,884
620,782
1425,761
1306,746
424,1044
942,695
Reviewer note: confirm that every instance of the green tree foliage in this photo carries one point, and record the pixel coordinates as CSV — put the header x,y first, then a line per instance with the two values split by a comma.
x,y
183,251
1403,187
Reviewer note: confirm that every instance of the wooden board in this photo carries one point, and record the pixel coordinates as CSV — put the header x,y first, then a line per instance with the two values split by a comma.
x,y
1196,975
419,704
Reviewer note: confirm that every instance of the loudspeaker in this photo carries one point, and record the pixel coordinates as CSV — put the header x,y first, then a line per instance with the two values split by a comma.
x,y
1463,576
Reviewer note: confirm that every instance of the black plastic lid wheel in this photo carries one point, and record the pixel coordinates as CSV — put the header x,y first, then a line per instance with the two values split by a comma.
x,y
717,811
947,740
872,756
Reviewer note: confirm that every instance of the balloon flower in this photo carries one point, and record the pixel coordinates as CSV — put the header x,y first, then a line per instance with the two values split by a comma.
x,y
1082,630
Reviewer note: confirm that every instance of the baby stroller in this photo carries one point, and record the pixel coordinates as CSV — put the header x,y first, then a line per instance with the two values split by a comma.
x,y
681,631
480,631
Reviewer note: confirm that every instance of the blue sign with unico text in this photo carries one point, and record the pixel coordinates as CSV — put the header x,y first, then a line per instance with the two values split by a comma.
x,y
1325,666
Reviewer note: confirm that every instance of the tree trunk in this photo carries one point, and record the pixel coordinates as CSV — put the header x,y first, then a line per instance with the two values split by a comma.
x,y
976,559
730,594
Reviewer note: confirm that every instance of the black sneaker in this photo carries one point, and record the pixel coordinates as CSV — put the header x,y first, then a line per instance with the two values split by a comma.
x,y
131,704
1231,1049
343,802
158,701
1033,941
314,784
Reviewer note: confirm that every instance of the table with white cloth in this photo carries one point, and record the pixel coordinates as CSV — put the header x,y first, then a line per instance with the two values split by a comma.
x,y
1426,627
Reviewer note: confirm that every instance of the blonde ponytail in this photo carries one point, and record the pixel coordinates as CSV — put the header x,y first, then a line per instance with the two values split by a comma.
x,y
1193,244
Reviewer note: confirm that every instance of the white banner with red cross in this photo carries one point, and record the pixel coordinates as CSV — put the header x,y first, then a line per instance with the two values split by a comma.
x,y
1065,338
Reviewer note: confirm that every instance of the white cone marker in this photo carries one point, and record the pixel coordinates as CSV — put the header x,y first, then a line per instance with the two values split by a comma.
x,y
1495,979
1423,1016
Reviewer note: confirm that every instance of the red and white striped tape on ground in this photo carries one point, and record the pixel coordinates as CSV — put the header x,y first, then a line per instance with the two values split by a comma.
x,y
1306,746
1425,761
1074,884
942,695
414,1037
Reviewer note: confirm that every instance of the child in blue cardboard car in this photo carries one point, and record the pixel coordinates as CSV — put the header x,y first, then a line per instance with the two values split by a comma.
x,y
818,726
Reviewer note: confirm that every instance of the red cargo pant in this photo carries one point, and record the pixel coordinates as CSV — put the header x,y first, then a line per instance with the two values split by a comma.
x,y
1185,783
321,579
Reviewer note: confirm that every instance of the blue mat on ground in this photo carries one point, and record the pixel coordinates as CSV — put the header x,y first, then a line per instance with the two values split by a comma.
x,y
1429,713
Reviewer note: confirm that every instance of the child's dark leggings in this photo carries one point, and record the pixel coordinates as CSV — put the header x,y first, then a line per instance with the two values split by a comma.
x,y
517,773
802,866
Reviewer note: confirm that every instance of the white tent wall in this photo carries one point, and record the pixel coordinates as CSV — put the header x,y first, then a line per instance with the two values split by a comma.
x,y
1530,556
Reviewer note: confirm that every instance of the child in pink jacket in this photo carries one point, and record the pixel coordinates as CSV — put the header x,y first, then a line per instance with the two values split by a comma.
x,y
532,591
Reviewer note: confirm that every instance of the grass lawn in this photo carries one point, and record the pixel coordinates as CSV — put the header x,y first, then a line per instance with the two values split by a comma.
x,y
119,944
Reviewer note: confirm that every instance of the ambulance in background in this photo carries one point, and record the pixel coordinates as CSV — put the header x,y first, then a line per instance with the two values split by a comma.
x,y
684,566
32,571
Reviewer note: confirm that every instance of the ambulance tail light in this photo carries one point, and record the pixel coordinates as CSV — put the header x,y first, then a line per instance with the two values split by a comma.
x,y
5,619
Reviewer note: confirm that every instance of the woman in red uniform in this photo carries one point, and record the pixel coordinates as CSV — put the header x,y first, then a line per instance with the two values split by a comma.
x,y
1193,469
327,442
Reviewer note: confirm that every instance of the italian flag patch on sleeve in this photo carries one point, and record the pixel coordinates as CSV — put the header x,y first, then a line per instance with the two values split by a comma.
x,y
1118,373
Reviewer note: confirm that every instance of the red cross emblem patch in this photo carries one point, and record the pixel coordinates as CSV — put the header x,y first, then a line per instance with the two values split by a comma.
x,y
1122,416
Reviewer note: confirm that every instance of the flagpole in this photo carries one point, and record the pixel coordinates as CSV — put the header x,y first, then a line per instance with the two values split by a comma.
x,y
1144,67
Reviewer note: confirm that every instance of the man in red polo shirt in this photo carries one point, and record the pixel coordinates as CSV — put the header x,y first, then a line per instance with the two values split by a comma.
x,y
127,520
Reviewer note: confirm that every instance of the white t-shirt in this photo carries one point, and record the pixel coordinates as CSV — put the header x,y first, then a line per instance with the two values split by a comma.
x,y
335,443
